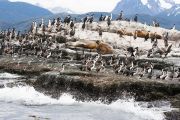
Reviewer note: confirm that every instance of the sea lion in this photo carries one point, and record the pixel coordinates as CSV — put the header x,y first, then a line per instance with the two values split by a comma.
x,y
85,44
104,48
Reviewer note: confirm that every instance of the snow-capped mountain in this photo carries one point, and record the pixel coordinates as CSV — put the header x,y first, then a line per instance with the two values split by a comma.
x,y
166,12
150,7
172,13
131,7
161,4
154,6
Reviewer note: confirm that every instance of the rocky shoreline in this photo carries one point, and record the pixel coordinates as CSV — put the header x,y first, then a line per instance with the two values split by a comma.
x,y
91,86
120,63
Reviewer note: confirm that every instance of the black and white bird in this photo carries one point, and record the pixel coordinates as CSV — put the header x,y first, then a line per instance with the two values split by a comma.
x,y
169,75
91,18
83,26
72,32
71,24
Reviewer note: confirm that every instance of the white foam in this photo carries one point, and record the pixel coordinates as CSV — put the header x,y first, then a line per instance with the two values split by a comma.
x,y
133,107
29,96
8,76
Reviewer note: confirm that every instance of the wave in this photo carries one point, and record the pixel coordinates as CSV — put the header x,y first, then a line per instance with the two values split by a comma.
x,y
9,76
27,95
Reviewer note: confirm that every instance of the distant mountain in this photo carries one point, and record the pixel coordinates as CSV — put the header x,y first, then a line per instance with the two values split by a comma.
x,y
143,18
149,7
166,12
172,13
154,6
166,4
164,15
4,24
23,25
131,7
11,12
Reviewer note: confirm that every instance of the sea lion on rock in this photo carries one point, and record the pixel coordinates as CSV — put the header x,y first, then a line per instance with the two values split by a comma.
x,y
154,36
129,33
147,34
120,32
104,48
141,33
85,44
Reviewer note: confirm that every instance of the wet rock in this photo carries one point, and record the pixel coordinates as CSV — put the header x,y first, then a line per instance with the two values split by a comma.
x,y
23,68
1,85
174,115
175,101
105,88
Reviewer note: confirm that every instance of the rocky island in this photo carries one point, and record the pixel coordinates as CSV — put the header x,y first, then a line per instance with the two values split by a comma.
x,y
106,60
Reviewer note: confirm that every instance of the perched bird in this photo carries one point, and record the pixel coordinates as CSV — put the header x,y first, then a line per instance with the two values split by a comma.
x,y
176,74
136,18
62,68
120,17
91,18
147,36
174,27
85,18
131,51
49,55
72,32
136,51
100,67
140,72
166,37
169,75
100,32
135,35
101,18
83,26
109,18
150,71
108,21
71,24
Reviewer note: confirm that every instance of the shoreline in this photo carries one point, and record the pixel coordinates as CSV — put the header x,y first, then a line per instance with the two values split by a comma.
x,y
91,86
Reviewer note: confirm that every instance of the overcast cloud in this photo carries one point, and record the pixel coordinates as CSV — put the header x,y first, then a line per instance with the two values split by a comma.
x,y
79,6
76,5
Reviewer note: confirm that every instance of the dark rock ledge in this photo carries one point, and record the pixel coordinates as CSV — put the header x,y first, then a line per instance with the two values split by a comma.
x,y
92,87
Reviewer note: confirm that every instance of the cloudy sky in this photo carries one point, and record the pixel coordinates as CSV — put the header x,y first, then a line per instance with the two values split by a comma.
x,y
76,5
79,6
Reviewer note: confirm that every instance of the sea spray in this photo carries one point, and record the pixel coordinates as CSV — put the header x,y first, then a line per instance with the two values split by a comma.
x,y
28,96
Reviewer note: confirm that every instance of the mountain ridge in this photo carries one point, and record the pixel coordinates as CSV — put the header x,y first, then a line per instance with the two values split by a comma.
x,y
12,12
150,7
163,18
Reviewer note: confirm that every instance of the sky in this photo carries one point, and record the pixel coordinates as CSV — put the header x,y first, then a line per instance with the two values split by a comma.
x,y
79,6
